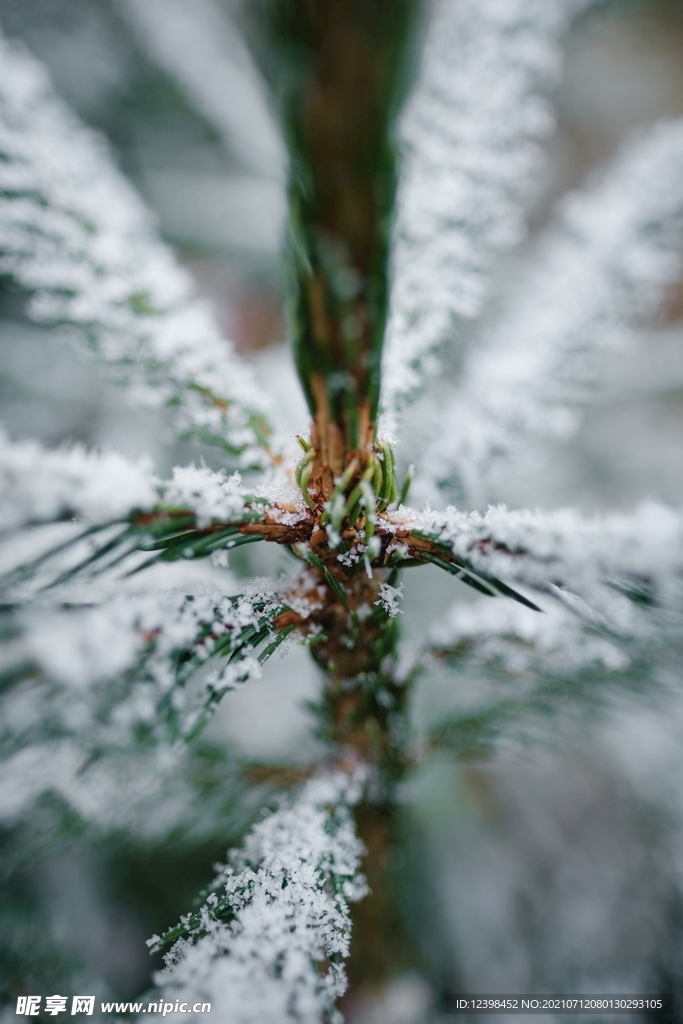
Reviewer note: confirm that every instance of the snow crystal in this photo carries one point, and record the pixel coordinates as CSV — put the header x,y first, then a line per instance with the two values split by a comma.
x,y
389,597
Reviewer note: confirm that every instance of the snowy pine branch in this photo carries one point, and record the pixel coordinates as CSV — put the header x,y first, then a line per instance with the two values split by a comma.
x,y
119,668
74,233
56,788
269,941
126,511
39,485
603,269
471,132
595,565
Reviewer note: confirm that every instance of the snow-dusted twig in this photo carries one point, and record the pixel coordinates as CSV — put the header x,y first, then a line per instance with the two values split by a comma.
x,y
268,943
601,270
74,233
471,132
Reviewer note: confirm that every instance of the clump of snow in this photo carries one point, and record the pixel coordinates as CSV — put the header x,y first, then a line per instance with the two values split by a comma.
x,y
214,497
304,594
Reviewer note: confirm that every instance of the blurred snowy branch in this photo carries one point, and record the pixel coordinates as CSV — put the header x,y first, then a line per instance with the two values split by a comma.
x,y
605,267
121,512
200,47
520,665
471,132
596,565
39,485
73,232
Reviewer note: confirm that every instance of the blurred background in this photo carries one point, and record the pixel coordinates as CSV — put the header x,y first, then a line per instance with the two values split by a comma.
x,y
556,866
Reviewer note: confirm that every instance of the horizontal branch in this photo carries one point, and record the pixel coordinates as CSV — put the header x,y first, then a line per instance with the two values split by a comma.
x,y
125,513
597,559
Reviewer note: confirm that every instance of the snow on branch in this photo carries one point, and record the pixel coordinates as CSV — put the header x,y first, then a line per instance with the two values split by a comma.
x,y
74,233
42,485
137,649
471,132
194,515
595,565
601,270
269,941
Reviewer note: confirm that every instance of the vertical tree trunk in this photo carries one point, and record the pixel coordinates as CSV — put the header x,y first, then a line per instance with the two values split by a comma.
x,y
339,70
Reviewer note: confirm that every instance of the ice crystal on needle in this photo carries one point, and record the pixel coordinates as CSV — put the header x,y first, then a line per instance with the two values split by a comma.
x,y
389,597
268,943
